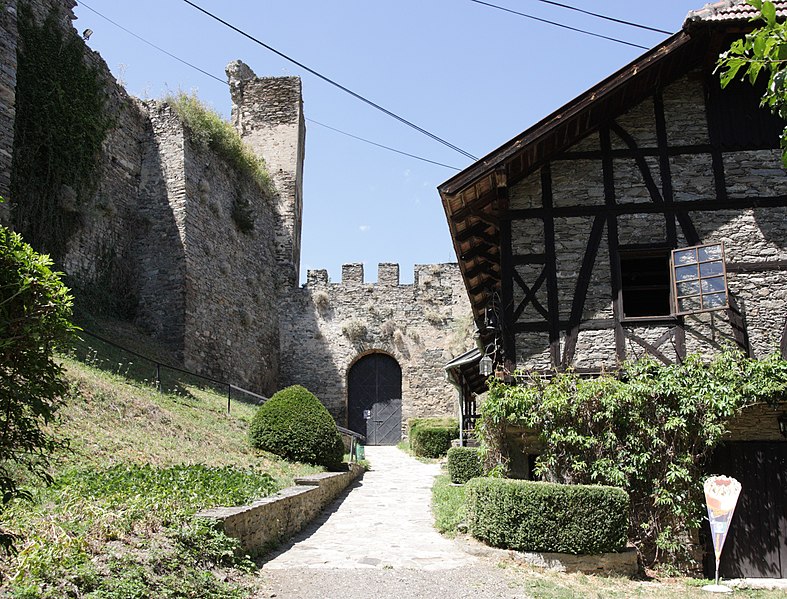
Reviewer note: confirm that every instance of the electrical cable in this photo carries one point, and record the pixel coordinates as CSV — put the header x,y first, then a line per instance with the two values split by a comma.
x,y
224,82
555,23
152,45
374,143
607,18
330,81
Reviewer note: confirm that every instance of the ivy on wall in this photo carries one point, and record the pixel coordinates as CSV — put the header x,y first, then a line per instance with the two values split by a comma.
x,y
648,431
59,129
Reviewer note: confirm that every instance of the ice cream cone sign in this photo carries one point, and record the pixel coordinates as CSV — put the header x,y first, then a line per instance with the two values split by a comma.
x,y
721,497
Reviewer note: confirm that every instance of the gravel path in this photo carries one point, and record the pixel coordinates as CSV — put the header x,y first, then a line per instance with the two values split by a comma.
x,y
377,541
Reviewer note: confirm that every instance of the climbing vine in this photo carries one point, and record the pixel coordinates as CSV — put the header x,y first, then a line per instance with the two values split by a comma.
x,y
59,129
649,431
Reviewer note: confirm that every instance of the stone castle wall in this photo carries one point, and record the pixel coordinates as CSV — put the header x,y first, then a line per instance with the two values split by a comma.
x,y
161,232
327,326
8,42
267,112
232,300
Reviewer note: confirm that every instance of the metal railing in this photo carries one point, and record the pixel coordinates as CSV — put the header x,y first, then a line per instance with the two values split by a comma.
x,y
158,367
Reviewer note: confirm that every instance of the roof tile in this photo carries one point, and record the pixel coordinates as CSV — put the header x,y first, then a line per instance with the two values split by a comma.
x,y
730,10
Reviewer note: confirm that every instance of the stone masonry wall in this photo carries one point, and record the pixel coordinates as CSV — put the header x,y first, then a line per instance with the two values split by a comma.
x,y
749,235
327,326
268,114
8,42
159,248
232,301
159,231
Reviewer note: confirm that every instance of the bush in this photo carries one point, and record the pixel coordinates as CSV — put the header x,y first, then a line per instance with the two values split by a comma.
x,y
35,309
413,423
464,463
649,432
432,441
295,425
537,516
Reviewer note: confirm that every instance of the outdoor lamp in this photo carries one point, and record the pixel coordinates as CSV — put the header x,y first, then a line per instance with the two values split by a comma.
x,y
485,366
782,420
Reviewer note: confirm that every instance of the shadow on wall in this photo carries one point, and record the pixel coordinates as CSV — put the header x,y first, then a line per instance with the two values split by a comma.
x,y
307,358
159,250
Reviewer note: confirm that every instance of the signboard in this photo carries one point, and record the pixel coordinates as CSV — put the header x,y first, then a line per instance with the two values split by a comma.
x,y
721,497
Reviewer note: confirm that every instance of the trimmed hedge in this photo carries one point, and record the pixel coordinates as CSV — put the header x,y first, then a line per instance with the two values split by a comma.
x,y
547,517
464,463
432,441
295,425
413,423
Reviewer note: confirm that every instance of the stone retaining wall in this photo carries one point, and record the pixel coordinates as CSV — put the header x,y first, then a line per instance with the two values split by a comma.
x,y
268,521
623,564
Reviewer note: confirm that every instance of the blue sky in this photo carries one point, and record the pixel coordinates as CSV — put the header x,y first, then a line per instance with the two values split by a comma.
x,y
470,74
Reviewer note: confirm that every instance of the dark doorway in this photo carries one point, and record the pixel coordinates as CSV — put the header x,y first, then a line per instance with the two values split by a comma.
x,y
756,545
374,402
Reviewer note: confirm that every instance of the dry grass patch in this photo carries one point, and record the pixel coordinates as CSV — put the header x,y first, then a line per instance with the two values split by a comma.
x,y
546,584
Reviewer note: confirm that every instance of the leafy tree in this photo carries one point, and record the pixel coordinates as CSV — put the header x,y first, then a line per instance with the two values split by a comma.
x,y
35,308
764,50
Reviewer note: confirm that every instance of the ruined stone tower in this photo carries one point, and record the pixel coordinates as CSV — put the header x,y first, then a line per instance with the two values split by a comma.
x,y
268,114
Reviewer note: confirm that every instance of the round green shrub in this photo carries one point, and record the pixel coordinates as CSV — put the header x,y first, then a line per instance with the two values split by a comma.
x,y
432,441
296,426
464,463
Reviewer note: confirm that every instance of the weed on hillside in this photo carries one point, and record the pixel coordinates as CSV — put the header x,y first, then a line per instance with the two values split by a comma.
x,y
130,531
118,522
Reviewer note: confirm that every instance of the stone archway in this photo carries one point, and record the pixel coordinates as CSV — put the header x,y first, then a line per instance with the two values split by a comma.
x,y
374,399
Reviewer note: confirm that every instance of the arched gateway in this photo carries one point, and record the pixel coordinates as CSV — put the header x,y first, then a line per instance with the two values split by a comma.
x,y
374,399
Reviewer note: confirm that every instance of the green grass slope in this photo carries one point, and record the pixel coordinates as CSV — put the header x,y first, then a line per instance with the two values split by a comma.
x,y
119,519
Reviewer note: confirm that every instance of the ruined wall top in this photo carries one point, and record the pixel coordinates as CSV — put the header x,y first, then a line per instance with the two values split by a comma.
x,y
388,275
262,101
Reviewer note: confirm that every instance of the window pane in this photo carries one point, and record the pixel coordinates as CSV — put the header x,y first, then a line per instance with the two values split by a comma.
x,y
714,285
685,257
716,300
689,304
710,269
683,273
689,288
711,252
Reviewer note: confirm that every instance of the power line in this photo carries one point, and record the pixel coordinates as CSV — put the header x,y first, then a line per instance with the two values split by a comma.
x,y
355,95
152,45
606,18
374,143
224,82
555,23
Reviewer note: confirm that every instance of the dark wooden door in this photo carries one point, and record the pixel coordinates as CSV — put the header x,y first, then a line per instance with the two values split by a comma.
x,y
374,403
756,545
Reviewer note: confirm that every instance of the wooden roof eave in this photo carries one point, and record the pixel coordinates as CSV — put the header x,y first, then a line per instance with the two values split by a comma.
x,y
475,236
566,114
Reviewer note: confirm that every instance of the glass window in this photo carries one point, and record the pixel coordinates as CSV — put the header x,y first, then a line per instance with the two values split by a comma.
x,y
700,278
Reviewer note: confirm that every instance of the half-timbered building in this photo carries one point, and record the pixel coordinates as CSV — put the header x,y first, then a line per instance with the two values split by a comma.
x,y
646,216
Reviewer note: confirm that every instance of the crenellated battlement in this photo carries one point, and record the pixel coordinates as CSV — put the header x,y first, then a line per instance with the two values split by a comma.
x,y
424,275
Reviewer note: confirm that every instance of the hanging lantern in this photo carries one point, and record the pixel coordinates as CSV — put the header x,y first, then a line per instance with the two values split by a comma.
x,y
485,366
